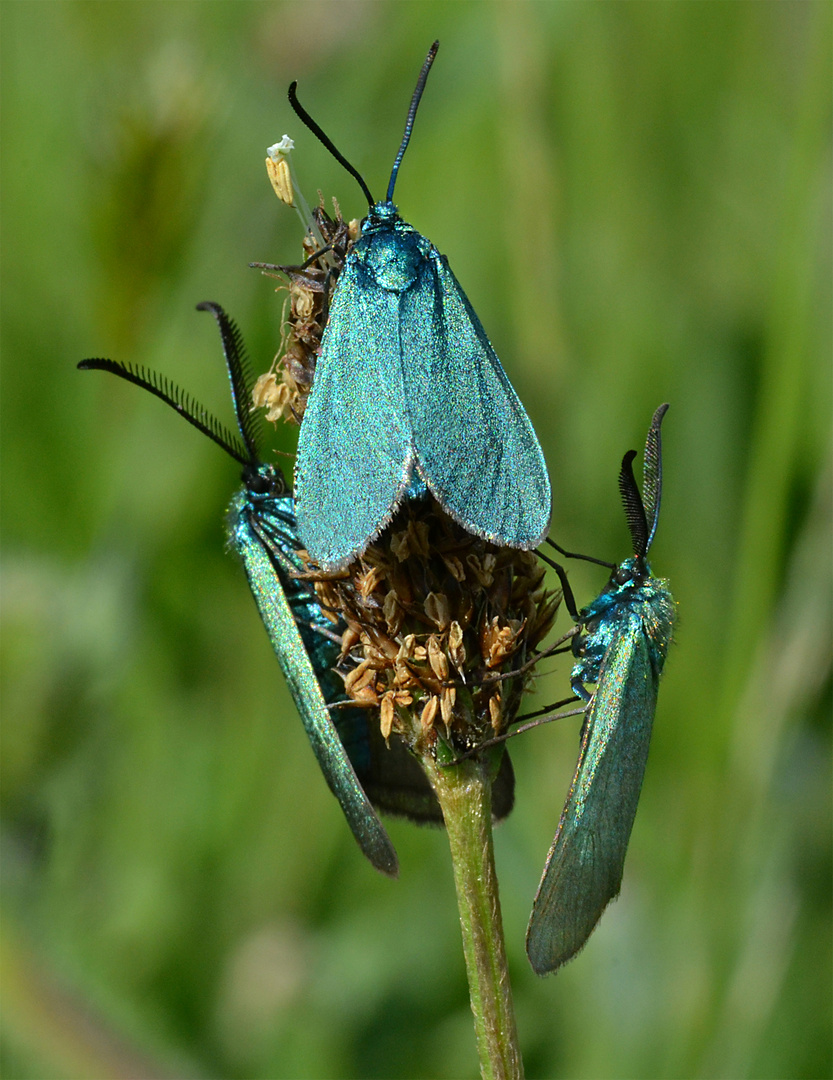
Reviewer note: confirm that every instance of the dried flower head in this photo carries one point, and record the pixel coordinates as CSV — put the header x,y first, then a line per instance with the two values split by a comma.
x,y
438,625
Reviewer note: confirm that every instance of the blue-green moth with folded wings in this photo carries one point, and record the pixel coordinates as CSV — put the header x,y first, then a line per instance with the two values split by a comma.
x,y
409,398
622,647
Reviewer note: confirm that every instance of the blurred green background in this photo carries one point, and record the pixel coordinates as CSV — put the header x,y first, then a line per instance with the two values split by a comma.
x,y
636,198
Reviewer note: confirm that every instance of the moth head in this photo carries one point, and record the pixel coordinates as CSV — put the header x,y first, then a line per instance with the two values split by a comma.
x,y
381,215
632,571
264,480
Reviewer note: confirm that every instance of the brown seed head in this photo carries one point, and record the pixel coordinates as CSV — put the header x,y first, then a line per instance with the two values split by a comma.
x,y
436,612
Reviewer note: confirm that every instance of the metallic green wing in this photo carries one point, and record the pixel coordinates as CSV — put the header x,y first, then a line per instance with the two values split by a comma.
x,y
303,684
584,867
475,445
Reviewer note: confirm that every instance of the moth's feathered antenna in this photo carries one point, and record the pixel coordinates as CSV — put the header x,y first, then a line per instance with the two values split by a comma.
x,y
652,475
634,510
240,377
179,401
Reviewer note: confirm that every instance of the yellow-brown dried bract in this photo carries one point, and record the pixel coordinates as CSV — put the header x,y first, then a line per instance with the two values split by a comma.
x,y
271,395
438,609
498,641
411,541
391,700
447,700
359,678
437,658
456,646
303,302
386,714
393,611
455,567
328,599
368,581
349,640
280,179
495,711
429,712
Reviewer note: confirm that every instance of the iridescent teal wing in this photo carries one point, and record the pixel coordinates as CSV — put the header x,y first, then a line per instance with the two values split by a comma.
x,y
584,867
476,448
354,449
297,668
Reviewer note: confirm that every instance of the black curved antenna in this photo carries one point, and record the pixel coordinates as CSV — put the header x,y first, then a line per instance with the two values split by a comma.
x,y
412,111
576,555
634,510
240,377
327,141
652,475
180,402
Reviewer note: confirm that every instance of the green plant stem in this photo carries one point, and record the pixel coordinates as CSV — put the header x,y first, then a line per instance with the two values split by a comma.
x,y
465,795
